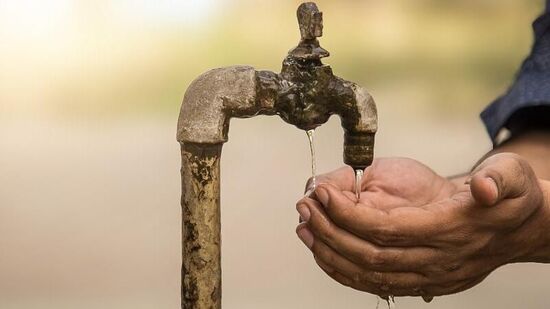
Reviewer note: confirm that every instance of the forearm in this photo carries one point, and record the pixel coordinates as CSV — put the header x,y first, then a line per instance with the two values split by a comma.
x,y
533,146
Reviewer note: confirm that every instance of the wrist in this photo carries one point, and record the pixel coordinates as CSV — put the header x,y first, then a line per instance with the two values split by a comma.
x,y
533,146
536,234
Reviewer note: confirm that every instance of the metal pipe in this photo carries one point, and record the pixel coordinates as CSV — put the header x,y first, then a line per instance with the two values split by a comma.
x,y
200,201
306,93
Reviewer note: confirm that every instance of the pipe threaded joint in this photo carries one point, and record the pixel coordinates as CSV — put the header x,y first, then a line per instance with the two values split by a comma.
x,y
358,149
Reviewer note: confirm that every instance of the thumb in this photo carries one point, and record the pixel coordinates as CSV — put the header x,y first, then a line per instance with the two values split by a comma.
x,y
501,176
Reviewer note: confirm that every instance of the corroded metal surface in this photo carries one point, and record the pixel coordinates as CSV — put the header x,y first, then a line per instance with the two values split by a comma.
x,y
214,97
200,201
305,94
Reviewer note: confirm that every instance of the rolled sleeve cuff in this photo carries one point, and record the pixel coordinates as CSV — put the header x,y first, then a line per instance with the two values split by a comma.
x,y
531,89
532,85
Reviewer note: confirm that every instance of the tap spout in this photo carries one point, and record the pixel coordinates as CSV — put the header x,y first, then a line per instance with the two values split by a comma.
x,y
360,123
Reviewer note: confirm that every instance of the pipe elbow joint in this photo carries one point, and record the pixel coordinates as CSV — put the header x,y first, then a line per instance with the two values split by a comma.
x,y
219,94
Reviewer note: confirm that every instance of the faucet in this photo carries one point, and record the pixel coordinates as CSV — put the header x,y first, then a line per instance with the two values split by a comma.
x,y
305,94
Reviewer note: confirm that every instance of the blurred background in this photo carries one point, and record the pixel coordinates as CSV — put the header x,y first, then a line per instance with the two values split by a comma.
x,y
89,166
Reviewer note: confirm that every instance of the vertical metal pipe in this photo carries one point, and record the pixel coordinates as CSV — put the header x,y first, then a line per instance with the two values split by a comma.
x,y
200,201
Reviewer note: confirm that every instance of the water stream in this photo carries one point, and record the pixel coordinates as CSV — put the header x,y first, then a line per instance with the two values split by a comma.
x,y
310,137
358,179
389,300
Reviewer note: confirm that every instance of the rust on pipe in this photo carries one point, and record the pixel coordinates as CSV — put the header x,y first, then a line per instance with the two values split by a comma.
x,y
200,201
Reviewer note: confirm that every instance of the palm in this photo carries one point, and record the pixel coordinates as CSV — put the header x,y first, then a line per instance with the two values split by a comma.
x,y
400,182
394,182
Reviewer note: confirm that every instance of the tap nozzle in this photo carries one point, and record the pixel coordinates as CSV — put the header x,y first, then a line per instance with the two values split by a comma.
x,y
358,149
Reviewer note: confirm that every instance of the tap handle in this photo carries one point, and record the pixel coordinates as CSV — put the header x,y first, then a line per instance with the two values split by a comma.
x,y
310,21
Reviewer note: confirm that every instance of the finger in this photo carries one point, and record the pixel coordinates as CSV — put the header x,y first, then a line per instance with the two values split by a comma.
x,y
467,272
305,234
303,210
397,282
365,287
363,252
439,290
502,176
484,190
402,226
343,178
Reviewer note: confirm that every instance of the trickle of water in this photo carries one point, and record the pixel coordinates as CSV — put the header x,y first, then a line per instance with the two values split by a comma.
x,y
358,179
391,302
310,137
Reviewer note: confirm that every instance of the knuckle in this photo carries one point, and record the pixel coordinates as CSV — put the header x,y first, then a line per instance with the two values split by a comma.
x,y
326,233
299,204
445,266
323,255
375,277
342,279
375,257
316,249
387,234
517,166
451,266
512,173
329,258
515,159
324,266
345,282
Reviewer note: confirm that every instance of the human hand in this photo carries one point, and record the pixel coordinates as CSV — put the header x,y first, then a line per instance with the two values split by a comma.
x,y
414,233
389,183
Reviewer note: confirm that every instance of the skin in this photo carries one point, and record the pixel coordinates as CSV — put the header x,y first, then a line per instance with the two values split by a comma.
x,y
415,233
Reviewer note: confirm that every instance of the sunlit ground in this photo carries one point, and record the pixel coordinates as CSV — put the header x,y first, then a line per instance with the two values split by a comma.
x,y
89,183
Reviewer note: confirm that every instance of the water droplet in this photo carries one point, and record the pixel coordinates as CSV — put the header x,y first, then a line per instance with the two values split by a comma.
x,y
427,298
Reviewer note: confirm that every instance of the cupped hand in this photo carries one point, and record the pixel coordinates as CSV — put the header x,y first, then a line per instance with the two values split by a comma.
x,y
390,183
414,233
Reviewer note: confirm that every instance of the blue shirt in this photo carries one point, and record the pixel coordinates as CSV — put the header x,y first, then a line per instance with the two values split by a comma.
x,y
528,99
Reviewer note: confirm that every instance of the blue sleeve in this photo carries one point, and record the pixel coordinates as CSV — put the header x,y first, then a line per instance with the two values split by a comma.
x,y
531,89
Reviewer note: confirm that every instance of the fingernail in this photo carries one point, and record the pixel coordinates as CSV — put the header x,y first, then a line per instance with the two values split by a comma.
x,y
322,195
306,236
303,210
468,180
493,185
